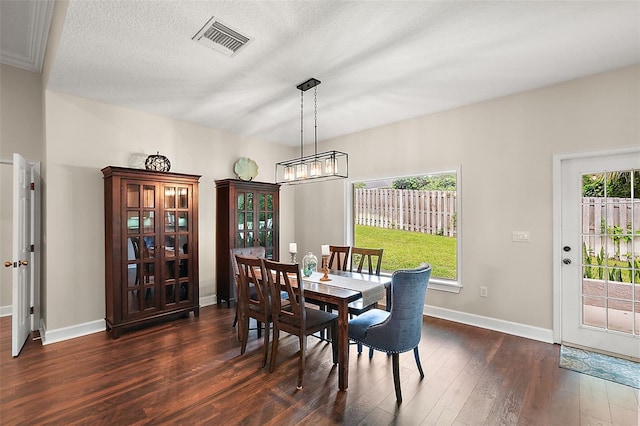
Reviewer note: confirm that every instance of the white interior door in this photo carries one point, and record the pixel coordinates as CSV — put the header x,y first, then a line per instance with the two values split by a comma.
x,y
600,270
22,254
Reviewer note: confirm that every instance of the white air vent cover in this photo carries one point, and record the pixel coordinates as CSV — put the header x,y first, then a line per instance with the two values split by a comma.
x,y
220,37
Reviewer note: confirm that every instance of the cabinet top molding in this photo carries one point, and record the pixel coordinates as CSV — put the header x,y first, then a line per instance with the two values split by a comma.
x,y
116,170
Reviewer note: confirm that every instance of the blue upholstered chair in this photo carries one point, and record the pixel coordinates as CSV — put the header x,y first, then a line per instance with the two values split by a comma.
x,y
399,330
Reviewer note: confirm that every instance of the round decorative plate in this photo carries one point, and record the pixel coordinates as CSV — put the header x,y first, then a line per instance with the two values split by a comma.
x,y
245,168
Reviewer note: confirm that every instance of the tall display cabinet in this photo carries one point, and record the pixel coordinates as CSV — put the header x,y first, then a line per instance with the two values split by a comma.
x,y
247,215
151,246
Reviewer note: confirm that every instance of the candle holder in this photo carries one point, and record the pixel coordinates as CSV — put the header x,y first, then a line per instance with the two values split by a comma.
x,y
325,268
293,257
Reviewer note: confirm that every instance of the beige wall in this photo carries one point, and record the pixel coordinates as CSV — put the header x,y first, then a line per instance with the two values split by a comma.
x,y
83,136
504,149
21,131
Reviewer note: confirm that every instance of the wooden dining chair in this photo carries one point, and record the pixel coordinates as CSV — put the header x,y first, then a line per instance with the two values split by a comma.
x,y
253,301
400,329
242,251
372,260
295,318
339,254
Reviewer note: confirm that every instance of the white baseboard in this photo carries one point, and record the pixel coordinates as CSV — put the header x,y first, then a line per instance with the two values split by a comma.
x,y
66,333
208,300
508,327
5,311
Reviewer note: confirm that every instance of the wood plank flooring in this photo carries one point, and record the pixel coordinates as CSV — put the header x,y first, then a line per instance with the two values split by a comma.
x,y
190,371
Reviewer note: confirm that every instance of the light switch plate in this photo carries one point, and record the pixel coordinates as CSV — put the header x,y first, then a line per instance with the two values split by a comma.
x,y
521,236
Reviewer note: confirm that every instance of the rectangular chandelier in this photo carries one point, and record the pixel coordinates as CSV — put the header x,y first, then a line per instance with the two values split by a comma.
x,y
317,167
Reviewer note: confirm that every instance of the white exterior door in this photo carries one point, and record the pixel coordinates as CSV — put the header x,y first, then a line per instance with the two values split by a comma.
x,y
600,253
22,254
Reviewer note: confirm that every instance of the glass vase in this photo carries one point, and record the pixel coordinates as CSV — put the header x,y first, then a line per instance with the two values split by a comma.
x,y
309,264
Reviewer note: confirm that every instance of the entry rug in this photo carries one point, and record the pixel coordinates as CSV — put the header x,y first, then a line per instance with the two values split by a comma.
x,y
605,367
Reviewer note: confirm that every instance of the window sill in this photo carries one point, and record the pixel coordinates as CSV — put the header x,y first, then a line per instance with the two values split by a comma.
x,y
441,284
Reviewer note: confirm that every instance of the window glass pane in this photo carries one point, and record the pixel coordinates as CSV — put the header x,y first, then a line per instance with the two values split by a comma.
x,y
261,198
149,298
184,268
269,220
170,270
170,197
241,221
149,200
148,269
133,196
263,218
133,301
241,201
249,220
249,239
262,236
412,219
269,202
183,198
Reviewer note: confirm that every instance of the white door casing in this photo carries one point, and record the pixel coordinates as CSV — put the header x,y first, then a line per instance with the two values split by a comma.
x,y
571,325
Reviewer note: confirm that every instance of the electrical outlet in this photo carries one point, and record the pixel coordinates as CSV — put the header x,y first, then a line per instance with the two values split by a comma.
x,y
484,291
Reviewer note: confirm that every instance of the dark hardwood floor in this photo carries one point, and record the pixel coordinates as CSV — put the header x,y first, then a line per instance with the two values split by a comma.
x,y
190,371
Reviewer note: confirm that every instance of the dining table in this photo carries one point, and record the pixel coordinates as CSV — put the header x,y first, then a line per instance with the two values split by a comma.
x,y
343,288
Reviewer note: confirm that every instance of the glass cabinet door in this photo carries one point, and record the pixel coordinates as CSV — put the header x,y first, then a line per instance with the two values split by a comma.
x,y
140,213
176,260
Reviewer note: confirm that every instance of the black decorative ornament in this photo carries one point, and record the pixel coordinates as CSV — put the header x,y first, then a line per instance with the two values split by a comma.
x,y
157,162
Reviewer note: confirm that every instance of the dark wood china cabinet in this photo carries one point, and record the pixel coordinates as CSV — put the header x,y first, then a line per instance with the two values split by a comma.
x,y
151,246
247,215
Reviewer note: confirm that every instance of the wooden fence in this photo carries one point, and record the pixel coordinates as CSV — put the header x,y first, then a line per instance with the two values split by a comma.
x,y
430,212
609,223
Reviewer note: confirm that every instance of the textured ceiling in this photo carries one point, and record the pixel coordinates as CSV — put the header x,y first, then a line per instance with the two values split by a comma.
x,y
379,61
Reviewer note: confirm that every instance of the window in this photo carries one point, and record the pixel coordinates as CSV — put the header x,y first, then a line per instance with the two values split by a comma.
x,y
415,220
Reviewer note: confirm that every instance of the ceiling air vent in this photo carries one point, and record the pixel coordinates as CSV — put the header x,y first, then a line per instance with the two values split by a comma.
x,y
220,37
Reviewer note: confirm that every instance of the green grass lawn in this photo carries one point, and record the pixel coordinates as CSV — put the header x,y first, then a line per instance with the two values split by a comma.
x,y
403,249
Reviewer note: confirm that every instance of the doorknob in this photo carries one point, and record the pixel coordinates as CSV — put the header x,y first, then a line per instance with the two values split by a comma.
x,y
23,262
566,261
8,264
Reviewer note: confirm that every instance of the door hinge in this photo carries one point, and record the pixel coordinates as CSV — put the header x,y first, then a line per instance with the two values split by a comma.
x,y
31,310
32,249
33,186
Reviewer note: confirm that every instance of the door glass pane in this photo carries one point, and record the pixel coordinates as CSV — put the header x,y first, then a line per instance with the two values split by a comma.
x,y
183,221
184,268
183,198
132,275
170,197
169,222
133,222
249,201
149,247
170,270
148,271
169,245
170,293
184,291
149,298
133,301
183,244
148,223
610,254
133,248
133,196
149,200
241,221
